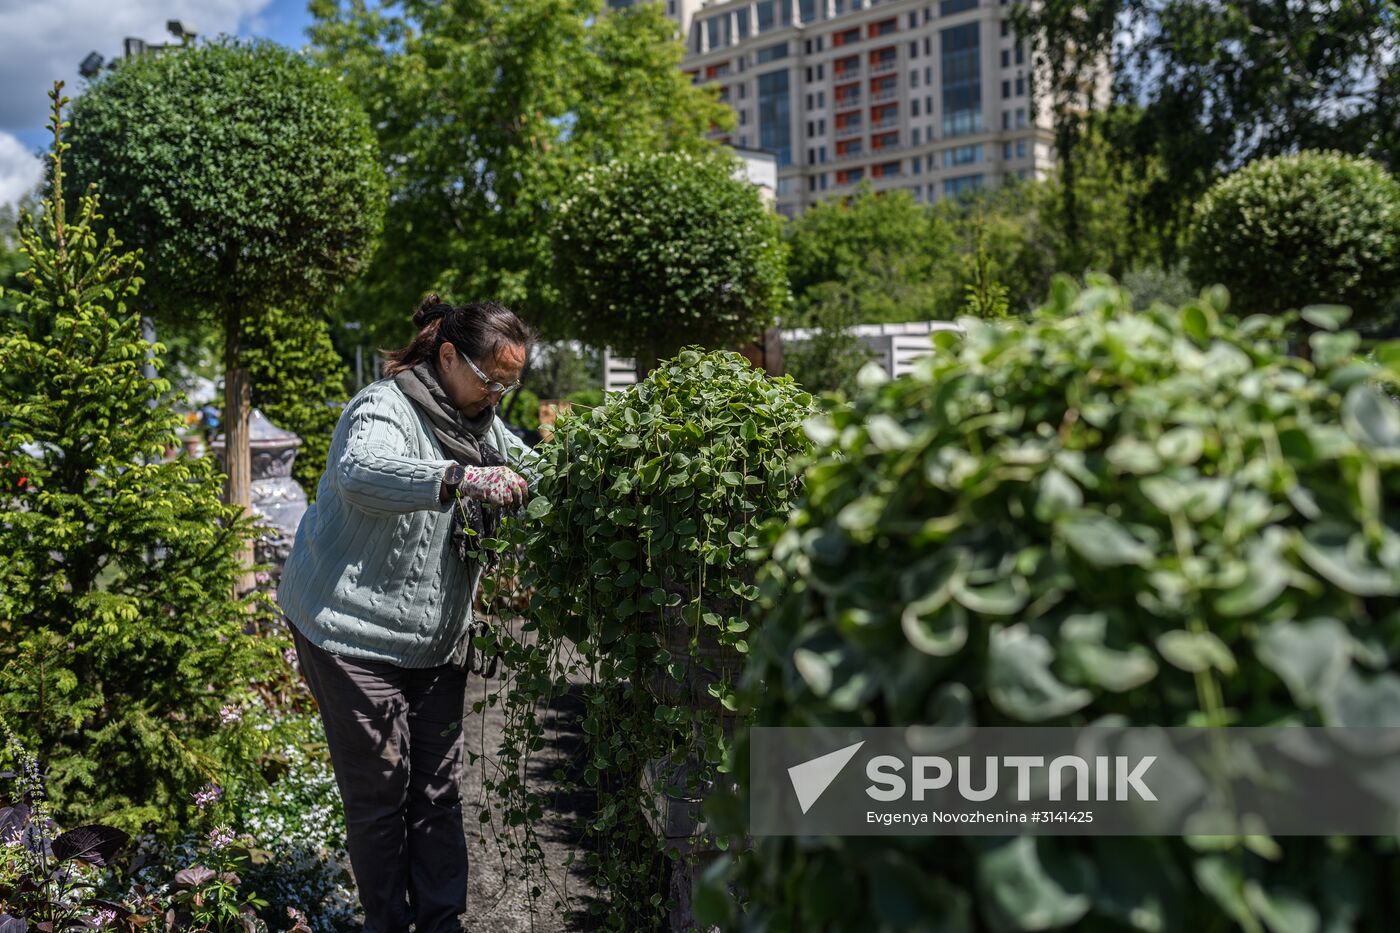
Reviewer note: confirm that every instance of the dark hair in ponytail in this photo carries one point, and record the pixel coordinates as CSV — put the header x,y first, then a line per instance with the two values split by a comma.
x,y
478,330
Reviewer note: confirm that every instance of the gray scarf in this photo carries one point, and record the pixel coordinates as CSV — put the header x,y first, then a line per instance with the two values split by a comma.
x,y
465,440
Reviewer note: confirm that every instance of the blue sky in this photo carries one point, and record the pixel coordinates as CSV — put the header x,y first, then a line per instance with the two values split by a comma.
x,y
43,40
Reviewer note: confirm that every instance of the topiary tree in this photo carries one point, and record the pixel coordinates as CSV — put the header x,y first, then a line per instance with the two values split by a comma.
x,y
299,381
636,558
1153,518
659,251
1301,229
250,179
123,658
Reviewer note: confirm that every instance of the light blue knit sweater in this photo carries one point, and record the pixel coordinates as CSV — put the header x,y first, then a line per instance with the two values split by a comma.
x,y
372,574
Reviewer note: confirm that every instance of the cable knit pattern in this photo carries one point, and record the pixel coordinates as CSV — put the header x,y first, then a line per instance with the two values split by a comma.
x,y
372,574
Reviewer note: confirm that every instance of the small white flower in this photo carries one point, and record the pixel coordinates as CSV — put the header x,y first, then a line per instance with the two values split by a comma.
x,y
230,714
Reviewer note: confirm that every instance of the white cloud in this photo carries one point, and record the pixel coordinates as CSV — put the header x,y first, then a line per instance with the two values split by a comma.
x,y
19,169
44,40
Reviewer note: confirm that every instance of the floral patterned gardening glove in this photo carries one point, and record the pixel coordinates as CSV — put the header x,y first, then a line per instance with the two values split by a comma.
x,y
498,485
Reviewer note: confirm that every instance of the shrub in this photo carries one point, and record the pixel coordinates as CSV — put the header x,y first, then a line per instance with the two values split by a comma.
x,y
637,559
1301,229
122,651
1057,521
659,251
299,381
828,360
297,823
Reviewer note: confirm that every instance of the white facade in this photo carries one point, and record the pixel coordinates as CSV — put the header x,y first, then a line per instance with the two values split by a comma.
x,y
933,97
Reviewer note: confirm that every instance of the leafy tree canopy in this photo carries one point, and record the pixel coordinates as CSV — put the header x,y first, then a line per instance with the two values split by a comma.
x,y
484,112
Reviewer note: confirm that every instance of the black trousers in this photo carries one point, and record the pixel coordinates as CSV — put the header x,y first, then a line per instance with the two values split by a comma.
x,y
396,744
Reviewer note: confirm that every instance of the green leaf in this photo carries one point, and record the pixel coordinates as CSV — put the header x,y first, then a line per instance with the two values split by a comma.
x,y
1019,681
1309,657
1195,651
539,507
1018,892
1326,317
1102,541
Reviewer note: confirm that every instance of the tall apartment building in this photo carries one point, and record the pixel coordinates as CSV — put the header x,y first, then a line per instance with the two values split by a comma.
x,y
928,95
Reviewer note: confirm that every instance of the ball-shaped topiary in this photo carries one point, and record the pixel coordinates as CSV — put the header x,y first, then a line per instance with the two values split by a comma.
x,y
1158,517
1316,227
662,250
637,556
246,175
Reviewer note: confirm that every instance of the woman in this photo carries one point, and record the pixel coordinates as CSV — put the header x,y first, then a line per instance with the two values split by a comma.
x,y
379,588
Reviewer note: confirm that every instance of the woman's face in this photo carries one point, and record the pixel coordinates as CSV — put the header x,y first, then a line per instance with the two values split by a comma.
x,y
465,389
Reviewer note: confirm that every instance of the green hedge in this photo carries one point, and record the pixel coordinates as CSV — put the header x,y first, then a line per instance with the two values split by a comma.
x,y
1096,516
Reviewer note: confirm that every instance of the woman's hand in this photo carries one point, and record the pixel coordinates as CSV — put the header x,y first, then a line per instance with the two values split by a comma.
x,y
498,485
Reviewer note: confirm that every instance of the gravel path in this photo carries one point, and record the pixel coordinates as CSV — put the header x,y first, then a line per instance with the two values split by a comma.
x,y
498,900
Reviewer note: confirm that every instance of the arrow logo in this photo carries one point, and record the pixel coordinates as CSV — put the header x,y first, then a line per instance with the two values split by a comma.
x,y
811,778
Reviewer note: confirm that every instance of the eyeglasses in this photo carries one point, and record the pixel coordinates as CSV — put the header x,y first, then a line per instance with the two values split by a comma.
x,y
492,387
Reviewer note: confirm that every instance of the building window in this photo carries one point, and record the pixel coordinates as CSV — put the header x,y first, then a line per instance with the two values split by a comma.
x,y
1006,151
928,48
811,129
821,99
914,49
953,187
809,100
771,52
775,115
1005,28
821,72
1021,87
1006,90
1020,54
1020,118
822,176
1006,58
928,75
808,10
821,127
950,7
712,31
962,155
962,80
743,23
913,79
917,165
914,19
1006,119
811,183
914,136
821,153
1020,148
786,186
914,107
764,13
743,91
743,142
743,118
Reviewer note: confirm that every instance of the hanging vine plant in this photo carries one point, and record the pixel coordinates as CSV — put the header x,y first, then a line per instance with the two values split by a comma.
x,y
636,556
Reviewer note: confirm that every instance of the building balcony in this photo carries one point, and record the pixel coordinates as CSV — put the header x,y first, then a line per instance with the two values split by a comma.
x,y
884,67
851,129
857,153
885,122
841,74
889,93
849,102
